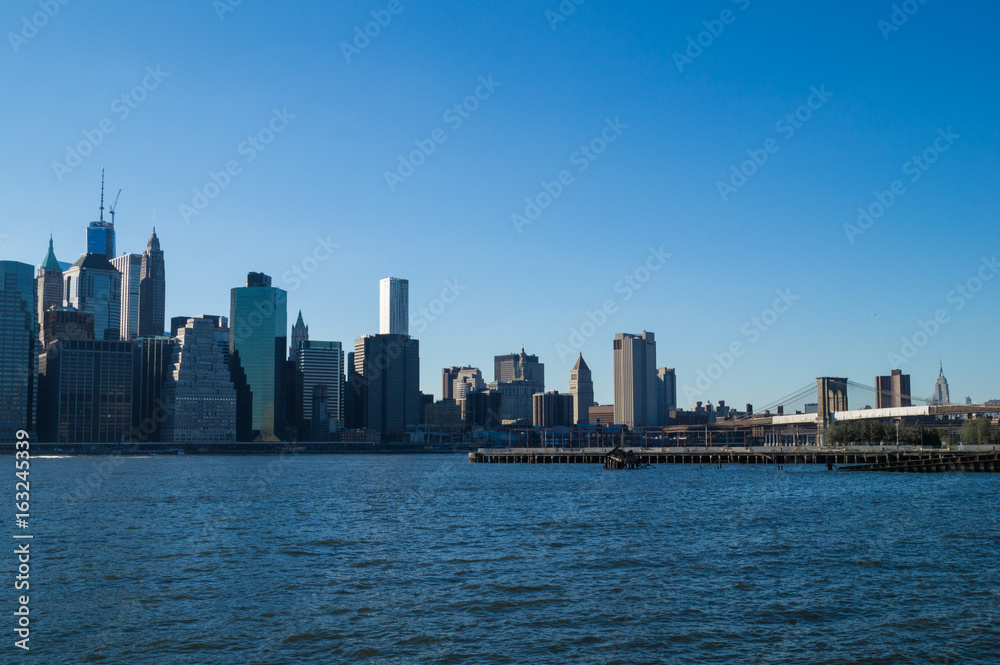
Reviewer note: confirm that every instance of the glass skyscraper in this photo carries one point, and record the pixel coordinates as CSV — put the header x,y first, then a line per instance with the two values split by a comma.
x,y
94,285
18,339
257,342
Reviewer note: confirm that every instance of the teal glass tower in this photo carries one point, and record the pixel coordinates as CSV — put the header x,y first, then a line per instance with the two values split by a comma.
x,y
257,343
18,339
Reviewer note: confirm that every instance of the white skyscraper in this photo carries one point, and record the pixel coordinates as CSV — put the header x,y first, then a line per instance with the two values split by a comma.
x,y
394,306
130,266
635,379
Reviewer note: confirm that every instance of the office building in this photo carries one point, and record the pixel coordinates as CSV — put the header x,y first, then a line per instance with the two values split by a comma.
x,y
394,306
666,394
319,381
49,286
87,392
384,384
258,343
152,290
553,409
468,379
94,285
66,323
892,391
635,379
942,395
151,358
300,333
18,344
602,415
581,387
448,376
516,404
129,265
482,409
519,367
199,396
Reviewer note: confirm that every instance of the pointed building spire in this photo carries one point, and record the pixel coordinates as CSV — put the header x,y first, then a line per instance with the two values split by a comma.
x,y
50,262
102,194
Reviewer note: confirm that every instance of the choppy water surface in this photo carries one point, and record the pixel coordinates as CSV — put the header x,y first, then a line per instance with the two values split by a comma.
x,y
430,559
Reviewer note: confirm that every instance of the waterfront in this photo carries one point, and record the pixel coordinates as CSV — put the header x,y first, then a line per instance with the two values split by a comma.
x,y
398,559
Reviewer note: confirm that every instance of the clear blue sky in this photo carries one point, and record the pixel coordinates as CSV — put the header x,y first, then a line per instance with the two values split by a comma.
x,y
323,175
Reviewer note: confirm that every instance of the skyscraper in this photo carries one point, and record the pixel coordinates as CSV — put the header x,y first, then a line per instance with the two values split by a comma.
x,y
635,379
552,409
394,306
448,376
385,383
18,342
199,396
94,285
66,323
467,380
49,285
892,391
320,369
257,342
581,387
152,290
129,265
941,393
300,333
101,234
88,392
666,394
150,364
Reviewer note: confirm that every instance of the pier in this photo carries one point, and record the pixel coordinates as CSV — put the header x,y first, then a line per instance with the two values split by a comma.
x,y
875,458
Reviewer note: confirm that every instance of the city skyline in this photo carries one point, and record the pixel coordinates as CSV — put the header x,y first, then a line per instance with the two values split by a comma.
x,y
858,283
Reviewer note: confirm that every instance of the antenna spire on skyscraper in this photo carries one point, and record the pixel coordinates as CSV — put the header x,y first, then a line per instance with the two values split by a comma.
x,y
102,192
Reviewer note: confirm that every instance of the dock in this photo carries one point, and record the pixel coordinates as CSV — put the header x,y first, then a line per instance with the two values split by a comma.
x,y
875,458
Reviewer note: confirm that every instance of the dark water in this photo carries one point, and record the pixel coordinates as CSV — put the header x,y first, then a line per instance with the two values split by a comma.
x,y
353,559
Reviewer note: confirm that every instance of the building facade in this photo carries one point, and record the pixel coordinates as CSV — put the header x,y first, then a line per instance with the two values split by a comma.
x,y
66,323
394,306
151,358
198,395
581,387
892,391
666,394
18,349
152,290
94,285
87,392
258,343
129,265
553,409
385,384
635,379
320,381
519,367
300,333
942,395
49,284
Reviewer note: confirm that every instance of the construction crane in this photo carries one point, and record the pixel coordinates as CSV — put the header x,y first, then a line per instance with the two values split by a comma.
x,y
113,206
